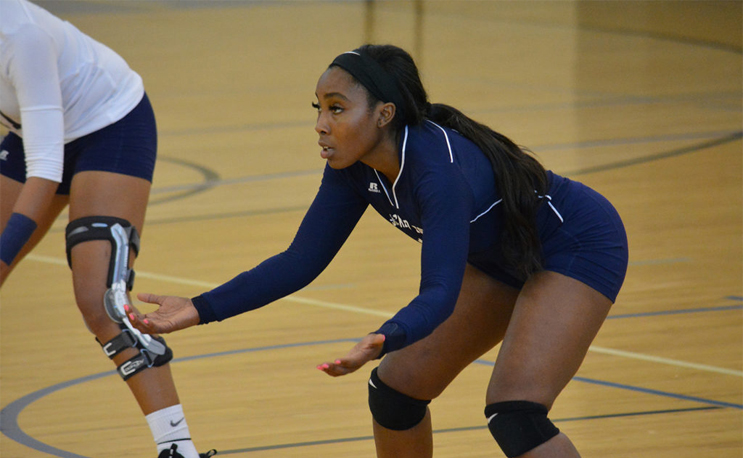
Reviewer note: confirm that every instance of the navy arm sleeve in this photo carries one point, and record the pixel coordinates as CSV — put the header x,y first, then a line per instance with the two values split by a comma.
x,y
445,202
329,221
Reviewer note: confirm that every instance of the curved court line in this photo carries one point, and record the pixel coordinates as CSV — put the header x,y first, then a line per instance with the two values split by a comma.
x,y
9,415
663,155
211,178
10,427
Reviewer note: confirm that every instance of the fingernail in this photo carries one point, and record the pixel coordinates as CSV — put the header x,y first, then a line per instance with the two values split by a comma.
x,y
146,321
131,316
126,307
326,366
337,361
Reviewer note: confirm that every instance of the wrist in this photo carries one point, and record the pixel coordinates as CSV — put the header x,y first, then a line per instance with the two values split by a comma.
x,y
206,314
15,235
394,337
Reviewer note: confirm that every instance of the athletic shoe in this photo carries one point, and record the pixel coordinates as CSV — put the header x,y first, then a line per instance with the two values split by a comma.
x,y
172,452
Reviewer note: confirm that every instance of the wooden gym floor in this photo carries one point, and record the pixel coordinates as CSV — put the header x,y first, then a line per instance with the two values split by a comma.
x,y
640,100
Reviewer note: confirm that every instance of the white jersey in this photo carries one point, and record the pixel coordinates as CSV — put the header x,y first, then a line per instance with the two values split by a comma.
x,y
57,84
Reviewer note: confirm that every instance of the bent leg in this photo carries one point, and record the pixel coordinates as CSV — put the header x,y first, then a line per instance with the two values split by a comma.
x,y
553,324
424,369
109,194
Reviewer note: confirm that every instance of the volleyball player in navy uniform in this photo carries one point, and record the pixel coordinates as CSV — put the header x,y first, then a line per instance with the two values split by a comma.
x,y
82,132
511,253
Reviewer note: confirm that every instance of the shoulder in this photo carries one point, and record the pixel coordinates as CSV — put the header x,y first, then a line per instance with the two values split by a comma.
x,y
427,136
19,19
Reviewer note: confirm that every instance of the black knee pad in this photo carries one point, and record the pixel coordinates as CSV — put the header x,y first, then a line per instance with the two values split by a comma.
x,y
392,409
519,426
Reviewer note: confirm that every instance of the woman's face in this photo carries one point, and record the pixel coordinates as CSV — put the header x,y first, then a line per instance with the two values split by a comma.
x,y
346,124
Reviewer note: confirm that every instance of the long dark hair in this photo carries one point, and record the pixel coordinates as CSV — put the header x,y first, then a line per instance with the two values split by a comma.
x,y
519,177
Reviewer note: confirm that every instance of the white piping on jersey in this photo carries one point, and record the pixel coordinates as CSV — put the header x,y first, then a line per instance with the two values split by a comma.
x,y
489,208
399,174
384,188
549,202
402,165
546,196
446,136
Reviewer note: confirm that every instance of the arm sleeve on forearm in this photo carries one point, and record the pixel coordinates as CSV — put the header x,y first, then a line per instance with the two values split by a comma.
x,y
445,207
326,226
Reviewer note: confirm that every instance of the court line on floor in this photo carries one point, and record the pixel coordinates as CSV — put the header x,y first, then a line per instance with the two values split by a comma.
x,y
385,314
10,414
452,430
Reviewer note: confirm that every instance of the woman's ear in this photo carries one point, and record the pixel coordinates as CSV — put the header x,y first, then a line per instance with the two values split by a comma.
x,y
386,114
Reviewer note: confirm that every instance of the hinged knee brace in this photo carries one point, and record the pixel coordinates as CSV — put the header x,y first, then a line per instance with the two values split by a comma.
x,y
143,360
123,237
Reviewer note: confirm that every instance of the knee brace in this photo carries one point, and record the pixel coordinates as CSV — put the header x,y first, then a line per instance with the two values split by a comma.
x,y
123,237
519,426
144,360
392,409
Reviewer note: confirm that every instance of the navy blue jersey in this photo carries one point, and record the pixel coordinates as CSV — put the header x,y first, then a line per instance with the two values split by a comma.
x,y
444,197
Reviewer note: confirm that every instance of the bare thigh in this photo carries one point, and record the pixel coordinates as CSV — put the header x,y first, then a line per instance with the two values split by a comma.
x,y
96,193
423,370
553,324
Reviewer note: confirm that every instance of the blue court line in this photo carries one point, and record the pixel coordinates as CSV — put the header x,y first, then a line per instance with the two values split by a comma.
x,y
659,393
733,137
722,308
9,415
453,430
638,389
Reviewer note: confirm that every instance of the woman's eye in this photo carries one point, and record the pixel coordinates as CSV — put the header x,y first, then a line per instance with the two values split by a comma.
x,y
335,109
316,106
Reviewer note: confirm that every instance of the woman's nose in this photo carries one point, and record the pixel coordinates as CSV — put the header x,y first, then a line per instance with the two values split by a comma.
x,y
321,127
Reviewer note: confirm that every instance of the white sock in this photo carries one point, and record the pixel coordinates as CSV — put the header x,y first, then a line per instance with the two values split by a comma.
x,y
169,427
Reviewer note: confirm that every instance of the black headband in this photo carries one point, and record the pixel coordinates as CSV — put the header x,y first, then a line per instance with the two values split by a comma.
x,y
372,76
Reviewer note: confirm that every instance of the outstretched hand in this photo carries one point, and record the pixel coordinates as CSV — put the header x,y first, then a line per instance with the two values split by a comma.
x,y
366,350
175,313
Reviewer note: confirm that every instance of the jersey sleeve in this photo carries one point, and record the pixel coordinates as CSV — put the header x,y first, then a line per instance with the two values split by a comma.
x,y
35,77
331,218
445,203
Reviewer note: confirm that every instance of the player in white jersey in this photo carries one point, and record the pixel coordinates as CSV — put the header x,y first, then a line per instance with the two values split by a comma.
x,y
82,132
